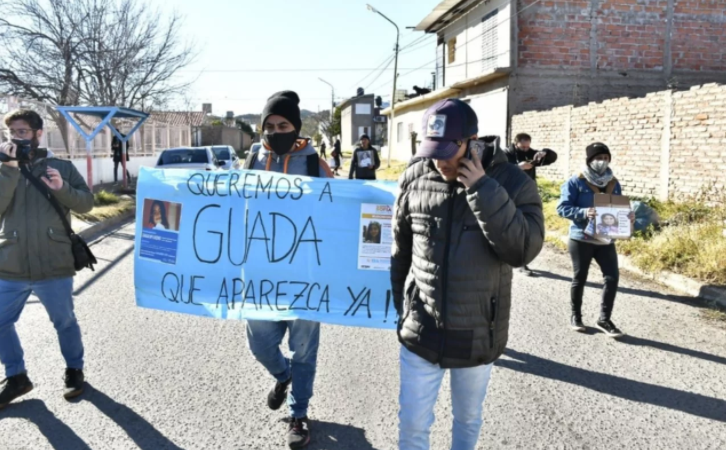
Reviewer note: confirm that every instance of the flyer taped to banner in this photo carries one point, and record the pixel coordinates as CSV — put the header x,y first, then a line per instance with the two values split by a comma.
x,y
267,246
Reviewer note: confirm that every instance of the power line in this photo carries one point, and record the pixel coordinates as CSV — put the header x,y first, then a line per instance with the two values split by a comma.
x,y
286,70
379,74
387,60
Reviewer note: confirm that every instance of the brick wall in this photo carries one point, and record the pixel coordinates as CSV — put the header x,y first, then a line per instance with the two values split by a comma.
x,y
664,145
573,52
698,140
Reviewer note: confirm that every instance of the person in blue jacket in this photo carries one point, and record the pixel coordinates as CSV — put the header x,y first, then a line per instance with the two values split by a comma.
x,y
577,202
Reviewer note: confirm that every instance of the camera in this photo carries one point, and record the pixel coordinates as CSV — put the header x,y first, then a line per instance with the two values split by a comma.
x,y
24,152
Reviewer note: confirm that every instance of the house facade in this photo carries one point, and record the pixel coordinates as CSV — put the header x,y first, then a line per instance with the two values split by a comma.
x,y
356,119
506,57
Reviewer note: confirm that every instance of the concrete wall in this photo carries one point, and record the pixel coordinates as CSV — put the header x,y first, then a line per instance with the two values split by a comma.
x,y
103,168
666,145
346,127
580,51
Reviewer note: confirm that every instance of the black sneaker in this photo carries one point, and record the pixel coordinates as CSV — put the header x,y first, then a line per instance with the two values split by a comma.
x,y
298,435
74,380
15,386
576,324
609,328
278,395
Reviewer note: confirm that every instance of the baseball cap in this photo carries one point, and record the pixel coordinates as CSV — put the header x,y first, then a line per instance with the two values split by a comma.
x,y
445,126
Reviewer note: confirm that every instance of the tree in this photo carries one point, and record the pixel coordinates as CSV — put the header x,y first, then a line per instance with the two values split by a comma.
x,y
94,52
317,138
331,129
247,128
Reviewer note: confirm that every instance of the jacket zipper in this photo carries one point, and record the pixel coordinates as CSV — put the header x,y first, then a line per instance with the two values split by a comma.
x,y
445,281
493,322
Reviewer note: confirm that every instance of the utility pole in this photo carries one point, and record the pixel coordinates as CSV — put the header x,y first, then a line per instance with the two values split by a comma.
x,y
332,99
395,78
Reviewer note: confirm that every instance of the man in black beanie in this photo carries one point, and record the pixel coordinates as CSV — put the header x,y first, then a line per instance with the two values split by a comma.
x,y
285,152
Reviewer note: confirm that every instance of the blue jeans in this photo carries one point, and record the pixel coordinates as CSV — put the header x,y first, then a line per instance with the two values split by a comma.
x,y
264,339
420,383
57,297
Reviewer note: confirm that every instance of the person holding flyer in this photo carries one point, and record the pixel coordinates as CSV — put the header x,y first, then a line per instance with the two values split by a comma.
x,y
577,204
365,161
463,218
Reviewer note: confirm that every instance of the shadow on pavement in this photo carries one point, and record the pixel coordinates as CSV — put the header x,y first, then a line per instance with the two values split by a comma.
x,y
60,436
625,290
98,275
637,391
329,436
632,340
144,435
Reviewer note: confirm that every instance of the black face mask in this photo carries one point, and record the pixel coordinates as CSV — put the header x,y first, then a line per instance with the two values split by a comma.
x,y
281,143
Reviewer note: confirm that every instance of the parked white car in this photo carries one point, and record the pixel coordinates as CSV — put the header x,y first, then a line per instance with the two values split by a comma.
x,y
228,155
199,158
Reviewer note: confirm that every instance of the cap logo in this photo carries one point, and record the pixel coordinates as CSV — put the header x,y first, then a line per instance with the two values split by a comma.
x,y
436,126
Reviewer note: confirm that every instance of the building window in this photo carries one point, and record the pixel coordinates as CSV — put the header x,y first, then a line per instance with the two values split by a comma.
x,y
399,132
452,50
489,41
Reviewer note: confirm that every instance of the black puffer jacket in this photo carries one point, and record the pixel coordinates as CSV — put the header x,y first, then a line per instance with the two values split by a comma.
x,y
452,259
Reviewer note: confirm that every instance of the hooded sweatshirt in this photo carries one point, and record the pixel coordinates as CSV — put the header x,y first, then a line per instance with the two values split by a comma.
x,y
369,155
294,162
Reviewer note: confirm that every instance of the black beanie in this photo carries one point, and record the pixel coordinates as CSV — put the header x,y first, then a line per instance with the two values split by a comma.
x,y
285,104
597,148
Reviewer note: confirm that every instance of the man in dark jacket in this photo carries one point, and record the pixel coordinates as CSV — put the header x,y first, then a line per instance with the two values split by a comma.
x,y
365,161
527,158
522,154
460,223
283,151
35,252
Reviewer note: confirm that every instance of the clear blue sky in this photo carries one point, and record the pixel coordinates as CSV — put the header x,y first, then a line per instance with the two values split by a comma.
x,y
315,36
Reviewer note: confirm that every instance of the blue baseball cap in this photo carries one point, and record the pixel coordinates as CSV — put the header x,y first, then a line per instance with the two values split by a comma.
x,y
445,126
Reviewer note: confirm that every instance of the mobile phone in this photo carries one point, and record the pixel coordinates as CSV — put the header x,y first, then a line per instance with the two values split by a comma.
x,y
475,145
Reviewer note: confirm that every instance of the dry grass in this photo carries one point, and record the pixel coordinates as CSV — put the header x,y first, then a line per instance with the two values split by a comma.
x,y
391,173
690,242
101,213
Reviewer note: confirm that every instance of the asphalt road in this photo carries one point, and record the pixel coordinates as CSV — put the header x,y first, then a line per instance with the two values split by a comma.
x,y
164,381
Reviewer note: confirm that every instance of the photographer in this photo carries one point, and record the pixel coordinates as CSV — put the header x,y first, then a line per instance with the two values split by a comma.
x,y
35,250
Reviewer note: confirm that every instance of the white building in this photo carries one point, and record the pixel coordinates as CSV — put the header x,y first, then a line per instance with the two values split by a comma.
x,y
474,60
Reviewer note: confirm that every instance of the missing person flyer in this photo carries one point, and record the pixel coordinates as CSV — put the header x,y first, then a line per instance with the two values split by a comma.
x,y
374,248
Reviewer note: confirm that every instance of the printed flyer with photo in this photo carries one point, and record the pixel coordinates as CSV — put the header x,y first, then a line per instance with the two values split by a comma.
x,y
374,249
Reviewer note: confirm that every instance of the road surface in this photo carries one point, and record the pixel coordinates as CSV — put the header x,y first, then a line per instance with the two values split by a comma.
x,y
164,381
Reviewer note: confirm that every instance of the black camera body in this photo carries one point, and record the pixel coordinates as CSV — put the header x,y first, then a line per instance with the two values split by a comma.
x,y
24,152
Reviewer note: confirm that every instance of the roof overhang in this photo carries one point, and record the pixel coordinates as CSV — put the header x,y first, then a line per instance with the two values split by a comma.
x,y
444,13
448,91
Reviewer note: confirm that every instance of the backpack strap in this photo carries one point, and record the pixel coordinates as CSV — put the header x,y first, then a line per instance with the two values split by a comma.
x,y
250,161
313,161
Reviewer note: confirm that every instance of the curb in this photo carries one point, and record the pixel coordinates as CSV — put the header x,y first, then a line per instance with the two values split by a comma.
x,y
102,227
674,281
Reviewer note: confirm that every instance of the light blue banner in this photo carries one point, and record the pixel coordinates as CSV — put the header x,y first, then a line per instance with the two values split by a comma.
x,y
261,245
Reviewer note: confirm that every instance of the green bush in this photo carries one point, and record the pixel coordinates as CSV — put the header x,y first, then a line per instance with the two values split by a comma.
x,y
104,198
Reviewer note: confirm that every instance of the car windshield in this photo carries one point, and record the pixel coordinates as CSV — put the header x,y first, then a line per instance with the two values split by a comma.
x,y
221,153
184,156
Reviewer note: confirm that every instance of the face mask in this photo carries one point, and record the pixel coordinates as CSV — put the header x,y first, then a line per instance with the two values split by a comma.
x,y
599,166
281,143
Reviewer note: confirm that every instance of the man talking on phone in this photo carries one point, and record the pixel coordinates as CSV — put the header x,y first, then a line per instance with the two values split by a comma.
x,y
464,217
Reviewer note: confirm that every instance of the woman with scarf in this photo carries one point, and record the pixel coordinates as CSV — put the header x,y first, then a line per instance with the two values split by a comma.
x,y
577,202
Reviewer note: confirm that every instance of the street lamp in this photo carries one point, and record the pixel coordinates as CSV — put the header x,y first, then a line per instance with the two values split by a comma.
x,y
395,77
332,99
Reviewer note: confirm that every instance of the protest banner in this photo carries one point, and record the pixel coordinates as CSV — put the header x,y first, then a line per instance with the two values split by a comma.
x,y
262,245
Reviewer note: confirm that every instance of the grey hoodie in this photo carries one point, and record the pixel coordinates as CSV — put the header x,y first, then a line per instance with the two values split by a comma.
x,y
293,163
